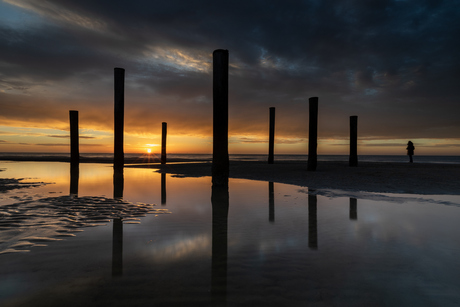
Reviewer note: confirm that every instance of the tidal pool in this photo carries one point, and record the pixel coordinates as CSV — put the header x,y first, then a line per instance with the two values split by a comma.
x,y
168,241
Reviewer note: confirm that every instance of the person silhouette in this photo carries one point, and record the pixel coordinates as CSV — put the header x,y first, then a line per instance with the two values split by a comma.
x,y
410,151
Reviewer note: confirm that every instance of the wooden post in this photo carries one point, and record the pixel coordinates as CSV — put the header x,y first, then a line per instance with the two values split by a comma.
x,y
353,208
271,202
271,138
353,141
74,153
119,118
163,142
312,222
220,160
74,145
313,134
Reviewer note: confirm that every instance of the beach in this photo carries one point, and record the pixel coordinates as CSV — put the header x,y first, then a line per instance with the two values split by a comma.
x,y
379,177
351,236
411,178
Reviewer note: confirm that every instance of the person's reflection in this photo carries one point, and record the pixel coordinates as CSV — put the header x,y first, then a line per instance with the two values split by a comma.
x,y
117,247
353,208
220,204
163,188
312,222
74,178
271,202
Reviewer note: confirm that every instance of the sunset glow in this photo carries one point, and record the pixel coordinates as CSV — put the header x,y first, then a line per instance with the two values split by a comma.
x,y
169,76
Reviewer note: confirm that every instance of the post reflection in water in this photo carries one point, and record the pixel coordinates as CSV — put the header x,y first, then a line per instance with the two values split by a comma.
x,y
312,222
353,208
271,202
74,178
118,182
117,237
163,188
117,247
220,205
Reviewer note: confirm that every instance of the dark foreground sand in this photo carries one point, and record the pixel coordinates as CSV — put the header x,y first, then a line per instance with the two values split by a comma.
x,y
416,178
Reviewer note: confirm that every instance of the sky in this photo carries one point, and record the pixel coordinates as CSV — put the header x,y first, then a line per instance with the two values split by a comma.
x,y
394,64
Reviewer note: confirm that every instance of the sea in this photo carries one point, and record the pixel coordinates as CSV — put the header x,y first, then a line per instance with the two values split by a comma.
x,y
234,157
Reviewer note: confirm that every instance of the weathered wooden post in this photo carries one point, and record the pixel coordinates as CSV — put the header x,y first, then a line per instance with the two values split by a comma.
x,y
163,142
74,144
353,161
74,153
271,202
313,134
119,119
312,222
220,160
271,138
353,208
117,247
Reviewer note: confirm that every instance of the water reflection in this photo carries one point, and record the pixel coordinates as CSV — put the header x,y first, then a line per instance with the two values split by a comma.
x,y
271,202
74,178
117,236
393,250
34,219
163,188
117,247
118,183
220,205
353,208
312,222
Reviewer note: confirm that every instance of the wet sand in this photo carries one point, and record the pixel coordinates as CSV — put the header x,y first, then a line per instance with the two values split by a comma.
x,y
415,178
380,177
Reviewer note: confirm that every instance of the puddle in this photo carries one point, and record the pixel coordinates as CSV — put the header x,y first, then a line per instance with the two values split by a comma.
x,y
258,243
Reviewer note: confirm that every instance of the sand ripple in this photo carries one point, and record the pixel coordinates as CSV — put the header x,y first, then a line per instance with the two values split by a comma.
x,y
32,223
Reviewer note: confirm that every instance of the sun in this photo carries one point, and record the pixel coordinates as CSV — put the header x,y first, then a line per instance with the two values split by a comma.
x,y
149,150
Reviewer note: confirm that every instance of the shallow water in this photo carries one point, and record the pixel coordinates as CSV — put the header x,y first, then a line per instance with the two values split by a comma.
x,y
280,245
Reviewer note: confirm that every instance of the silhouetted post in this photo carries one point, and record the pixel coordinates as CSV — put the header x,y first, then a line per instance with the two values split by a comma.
x,y
220,161
74,153
163,142
74,150
220,204
353,208
163,188
313,134
271,137
117,247
119,118
312,222
353,141
271,202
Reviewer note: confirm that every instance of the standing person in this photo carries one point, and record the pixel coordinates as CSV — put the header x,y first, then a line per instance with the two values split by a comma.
x,y
410,151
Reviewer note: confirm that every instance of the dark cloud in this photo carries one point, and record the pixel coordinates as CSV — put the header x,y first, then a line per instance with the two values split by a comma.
x,y
68,136
393,63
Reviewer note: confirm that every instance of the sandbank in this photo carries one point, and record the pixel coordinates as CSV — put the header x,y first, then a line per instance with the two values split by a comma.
x,y
380,177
